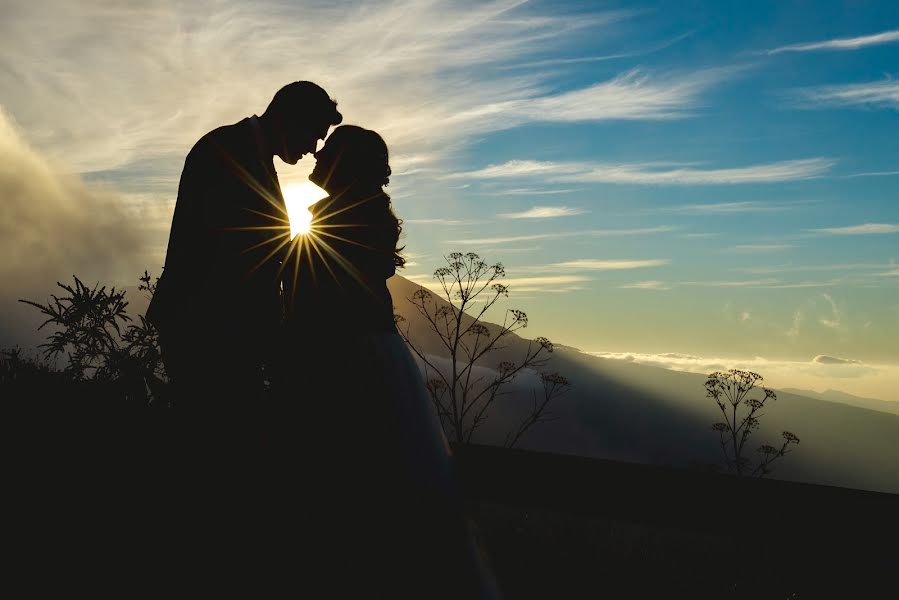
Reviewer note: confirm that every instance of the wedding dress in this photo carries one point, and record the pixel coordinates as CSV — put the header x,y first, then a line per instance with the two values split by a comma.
x,y
367,434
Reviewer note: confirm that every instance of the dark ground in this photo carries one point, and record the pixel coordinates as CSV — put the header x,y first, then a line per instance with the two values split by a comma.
x,y
92,508
546,554
559,526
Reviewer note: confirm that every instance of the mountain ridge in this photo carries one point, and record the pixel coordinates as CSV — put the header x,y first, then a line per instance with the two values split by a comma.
x,y
841,397
625,411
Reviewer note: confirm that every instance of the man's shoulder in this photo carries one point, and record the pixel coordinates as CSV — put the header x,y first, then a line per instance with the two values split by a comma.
x,y
225,136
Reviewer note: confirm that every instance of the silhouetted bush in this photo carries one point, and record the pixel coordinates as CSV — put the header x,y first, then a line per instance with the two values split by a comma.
x,y
107,355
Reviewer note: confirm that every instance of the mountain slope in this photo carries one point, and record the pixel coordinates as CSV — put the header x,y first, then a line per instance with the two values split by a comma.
x,y
627,411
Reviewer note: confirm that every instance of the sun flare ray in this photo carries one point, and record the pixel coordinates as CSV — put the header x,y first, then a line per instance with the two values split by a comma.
x,y
264,243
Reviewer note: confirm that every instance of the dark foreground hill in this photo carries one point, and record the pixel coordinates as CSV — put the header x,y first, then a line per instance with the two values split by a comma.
x,y
630,412
106,500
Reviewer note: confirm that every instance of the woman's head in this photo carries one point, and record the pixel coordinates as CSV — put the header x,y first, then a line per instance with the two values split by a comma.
x,y
352,156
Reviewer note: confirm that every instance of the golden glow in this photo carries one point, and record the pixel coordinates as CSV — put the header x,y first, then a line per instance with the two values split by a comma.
x,y
289,248
299,197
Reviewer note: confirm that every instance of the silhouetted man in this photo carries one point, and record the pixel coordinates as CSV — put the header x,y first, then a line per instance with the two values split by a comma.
x,y
218,305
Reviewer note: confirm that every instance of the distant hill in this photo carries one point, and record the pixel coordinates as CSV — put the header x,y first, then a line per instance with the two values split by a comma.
x,y
625,411
844,398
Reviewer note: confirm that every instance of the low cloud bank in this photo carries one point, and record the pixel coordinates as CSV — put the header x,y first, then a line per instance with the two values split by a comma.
x,y
823,359
823,372
54,225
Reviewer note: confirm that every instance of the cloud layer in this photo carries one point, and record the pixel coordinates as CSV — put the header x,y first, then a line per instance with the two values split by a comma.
x,y
727,208
852,43
53,226
652,173
544,212
883,94
104,86
823,359
496,241
820,373
864,229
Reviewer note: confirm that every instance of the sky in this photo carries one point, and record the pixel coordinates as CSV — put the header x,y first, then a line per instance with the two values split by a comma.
x,y
711,180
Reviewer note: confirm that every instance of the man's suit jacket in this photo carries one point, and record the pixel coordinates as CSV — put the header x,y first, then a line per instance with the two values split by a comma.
x,y
220,275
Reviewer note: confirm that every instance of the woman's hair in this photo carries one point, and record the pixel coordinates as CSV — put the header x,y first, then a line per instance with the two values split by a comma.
x,y
398,260
364,152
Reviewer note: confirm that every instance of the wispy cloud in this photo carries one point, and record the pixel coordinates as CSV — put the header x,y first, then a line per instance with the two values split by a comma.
x,y
732,283
770,283
439,221
834,319
864,229
532,283
524,168
878,93
646,285
494,241
602,58
412,164
795,325
544,212
634,95
823,359
803,284
757,248
790,268
413,259
853,43
723,208
537,283
552,62
653,173
517,249
182,69
872,174
649,174
532,192
590,264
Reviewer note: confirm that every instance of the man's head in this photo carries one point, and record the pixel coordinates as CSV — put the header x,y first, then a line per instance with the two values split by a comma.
x,y
298,116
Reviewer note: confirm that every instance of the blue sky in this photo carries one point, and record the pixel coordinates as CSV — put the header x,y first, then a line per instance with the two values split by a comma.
x,y
715,179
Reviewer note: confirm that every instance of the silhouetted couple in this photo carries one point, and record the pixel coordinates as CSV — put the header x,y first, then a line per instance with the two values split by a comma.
x,y
297,338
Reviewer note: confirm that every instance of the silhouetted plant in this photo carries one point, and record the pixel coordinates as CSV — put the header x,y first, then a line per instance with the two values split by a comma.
x,y
16,367
553,385
102,344
731,392
23,375
463,400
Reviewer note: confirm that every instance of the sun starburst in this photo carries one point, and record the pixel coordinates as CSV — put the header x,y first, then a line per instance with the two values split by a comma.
x,y
304,246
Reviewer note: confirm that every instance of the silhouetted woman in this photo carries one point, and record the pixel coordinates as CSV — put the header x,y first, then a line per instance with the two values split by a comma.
x,y
388,515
